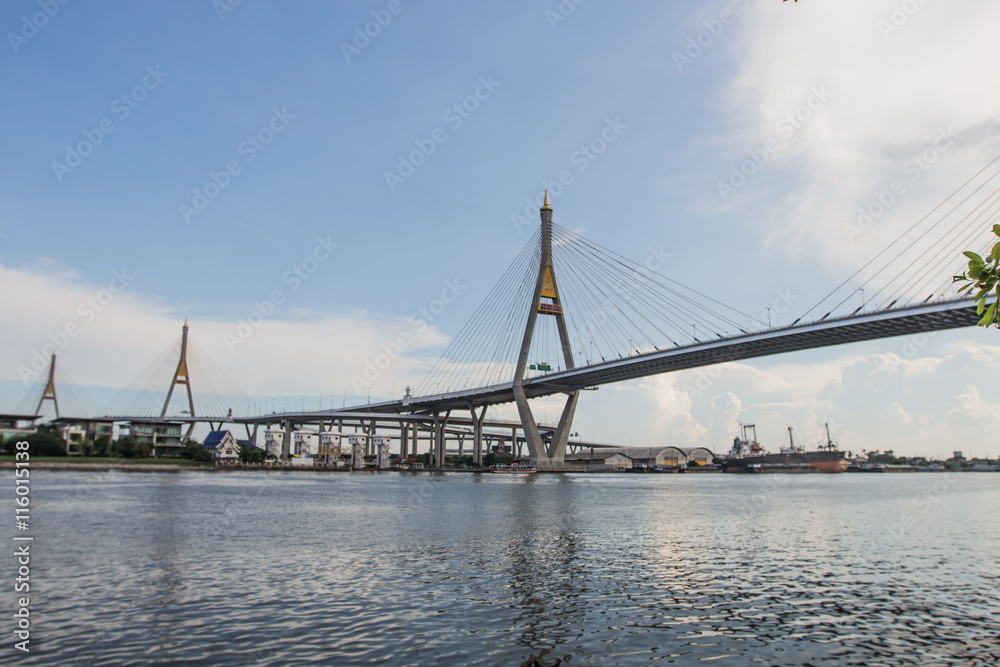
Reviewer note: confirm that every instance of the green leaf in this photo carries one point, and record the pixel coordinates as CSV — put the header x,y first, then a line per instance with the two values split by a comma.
x,y
979,307
996,229
974,257
989,316
996,253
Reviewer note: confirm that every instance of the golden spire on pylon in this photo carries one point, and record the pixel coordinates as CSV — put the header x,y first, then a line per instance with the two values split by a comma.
x,y
185,322
545,206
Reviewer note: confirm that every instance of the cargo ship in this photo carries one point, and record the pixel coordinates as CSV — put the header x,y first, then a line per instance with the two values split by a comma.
x,y
748,456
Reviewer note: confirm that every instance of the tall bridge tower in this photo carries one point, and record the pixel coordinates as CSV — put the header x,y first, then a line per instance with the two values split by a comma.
x,y
49,393
545,302
181,376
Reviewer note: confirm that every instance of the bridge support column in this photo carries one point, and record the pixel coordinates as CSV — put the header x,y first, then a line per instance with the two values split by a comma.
x,y
477,435
416,437
286,443
441,438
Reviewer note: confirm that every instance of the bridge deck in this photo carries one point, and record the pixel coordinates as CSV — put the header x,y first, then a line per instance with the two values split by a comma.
x,y
885,324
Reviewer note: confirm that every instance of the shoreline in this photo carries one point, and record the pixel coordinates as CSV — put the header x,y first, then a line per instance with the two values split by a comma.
x,y
172,467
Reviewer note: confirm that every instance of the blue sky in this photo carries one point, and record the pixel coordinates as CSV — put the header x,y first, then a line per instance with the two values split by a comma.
x,y
552,86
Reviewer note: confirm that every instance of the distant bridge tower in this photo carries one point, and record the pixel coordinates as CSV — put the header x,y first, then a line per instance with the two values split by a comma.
x,y
181,376
50,389
551,455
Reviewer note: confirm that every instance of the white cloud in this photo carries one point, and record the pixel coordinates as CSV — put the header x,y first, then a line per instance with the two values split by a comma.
x,y
890,98
119,335
968,409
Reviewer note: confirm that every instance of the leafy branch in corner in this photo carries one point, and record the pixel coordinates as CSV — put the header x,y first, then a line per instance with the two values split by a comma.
x,y
983,275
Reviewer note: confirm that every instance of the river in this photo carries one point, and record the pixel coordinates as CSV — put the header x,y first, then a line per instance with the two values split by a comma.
x,y
296,568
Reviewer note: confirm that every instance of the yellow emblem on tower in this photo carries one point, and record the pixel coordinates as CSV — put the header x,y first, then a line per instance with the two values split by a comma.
x,y
549,286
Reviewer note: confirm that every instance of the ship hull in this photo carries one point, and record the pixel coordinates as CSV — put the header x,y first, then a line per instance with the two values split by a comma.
x,y
819,461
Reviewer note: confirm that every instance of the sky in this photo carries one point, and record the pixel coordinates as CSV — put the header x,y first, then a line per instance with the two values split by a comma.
x,y
359,161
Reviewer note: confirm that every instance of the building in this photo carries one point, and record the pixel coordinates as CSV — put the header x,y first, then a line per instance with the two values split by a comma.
x,y
163,436
697,456
623,458
357,444
75,431
273,440
306,443
607,457
381,445
329,449
667,457
411,463
224,446
15,425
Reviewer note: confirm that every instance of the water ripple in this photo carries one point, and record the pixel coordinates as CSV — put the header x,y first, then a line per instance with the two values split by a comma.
x,y
303,569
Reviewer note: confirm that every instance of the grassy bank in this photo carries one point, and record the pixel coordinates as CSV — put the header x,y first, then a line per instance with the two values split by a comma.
x,y
92,461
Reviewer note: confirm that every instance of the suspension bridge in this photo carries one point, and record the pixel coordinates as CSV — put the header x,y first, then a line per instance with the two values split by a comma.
x,y
570,315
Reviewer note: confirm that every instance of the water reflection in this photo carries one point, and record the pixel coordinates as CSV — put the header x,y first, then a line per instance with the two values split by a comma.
x,y
281,568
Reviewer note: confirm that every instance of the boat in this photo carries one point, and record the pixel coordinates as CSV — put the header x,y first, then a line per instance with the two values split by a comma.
x,y
511,468
748,456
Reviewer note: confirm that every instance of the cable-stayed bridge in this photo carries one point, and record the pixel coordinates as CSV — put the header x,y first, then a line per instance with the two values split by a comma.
x,y
570,315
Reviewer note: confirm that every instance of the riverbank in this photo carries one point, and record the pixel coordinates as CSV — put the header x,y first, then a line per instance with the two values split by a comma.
x,y
99,464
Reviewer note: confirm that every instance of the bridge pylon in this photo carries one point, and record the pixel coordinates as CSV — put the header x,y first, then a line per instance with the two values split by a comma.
x,y
181,376
545,302
49,393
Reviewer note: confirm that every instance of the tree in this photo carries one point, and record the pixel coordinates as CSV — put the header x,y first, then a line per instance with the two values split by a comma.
x,y
196,452
983,275
130,448
86,447
45,442
102,445
252,454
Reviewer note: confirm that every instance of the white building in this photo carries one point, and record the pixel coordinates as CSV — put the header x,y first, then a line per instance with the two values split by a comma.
x,y
381,444
357,444
329,448
223,445
273,440
306,443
